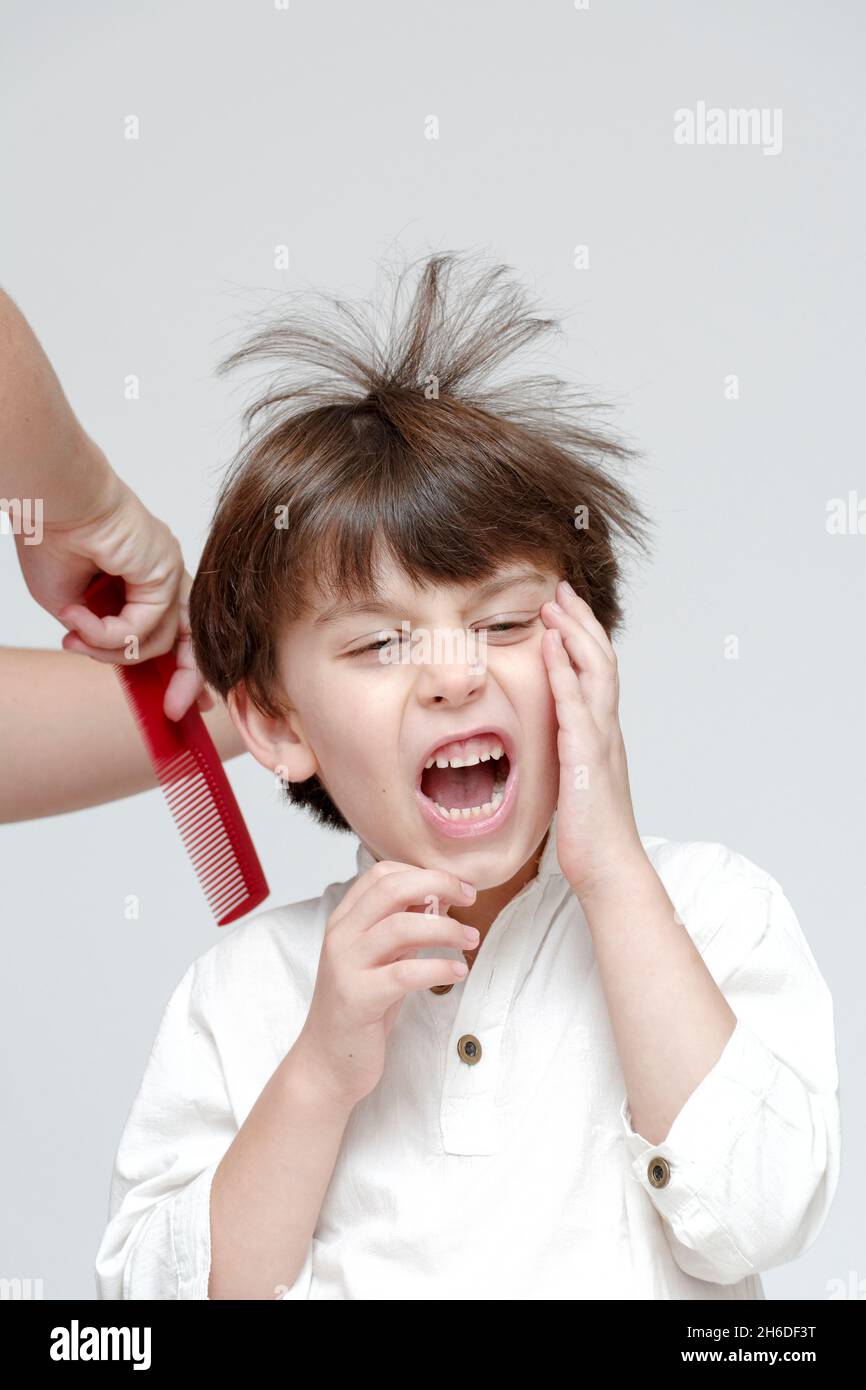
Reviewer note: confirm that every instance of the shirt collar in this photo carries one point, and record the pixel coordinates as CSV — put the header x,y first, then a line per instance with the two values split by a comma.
x,y
547,867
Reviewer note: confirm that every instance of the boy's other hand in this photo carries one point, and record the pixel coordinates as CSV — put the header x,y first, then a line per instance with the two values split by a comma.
x,y
368,965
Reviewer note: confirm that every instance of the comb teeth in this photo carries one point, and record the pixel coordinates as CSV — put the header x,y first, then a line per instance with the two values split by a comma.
x,y
196,811
199,796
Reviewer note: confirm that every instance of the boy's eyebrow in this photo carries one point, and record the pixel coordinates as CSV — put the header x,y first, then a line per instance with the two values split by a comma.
x,y
381,603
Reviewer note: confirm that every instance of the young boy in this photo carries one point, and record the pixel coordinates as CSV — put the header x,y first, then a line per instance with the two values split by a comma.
x,y
632,1092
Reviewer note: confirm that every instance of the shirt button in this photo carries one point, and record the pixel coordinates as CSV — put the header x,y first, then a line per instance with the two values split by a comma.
x,y
659,1171
440,989
469,1048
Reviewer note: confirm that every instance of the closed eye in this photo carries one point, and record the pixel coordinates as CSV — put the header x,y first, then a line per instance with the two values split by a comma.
x,y
373,647
506,627
490,627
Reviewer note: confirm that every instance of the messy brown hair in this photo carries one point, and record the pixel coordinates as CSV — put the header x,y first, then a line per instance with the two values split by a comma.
x,y
371,444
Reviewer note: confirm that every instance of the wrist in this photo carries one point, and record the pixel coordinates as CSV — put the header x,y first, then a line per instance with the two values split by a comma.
x,y
312,1087
103,489
91,490
625,873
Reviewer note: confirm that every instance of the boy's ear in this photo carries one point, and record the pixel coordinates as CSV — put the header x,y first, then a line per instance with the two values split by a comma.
x,y
271,739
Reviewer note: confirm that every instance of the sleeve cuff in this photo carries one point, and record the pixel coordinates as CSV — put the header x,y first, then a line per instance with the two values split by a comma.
x,y
699,1143
190,1234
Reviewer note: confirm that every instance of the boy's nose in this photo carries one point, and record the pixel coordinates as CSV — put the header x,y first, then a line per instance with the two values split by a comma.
x,y
455,682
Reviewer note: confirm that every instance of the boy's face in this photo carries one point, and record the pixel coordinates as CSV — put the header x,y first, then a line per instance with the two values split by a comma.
x,y
374,693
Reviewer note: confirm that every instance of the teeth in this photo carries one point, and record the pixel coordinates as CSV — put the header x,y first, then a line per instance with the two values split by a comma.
x,y
495,750
474,812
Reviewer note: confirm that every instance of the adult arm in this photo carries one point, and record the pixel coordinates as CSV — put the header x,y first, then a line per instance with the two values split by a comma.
x,y
69,737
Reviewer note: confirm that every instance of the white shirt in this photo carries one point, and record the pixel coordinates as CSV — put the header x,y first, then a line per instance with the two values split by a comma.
x,y
517,1176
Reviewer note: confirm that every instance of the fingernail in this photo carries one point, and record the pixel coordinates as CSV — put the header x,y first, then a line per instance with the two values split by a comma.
x,y
471,936
468,890
567,589
554,607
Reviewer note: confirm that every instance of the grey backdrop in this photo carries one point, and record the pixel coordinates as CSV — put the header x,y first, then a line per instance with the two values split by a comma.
x,y
307,127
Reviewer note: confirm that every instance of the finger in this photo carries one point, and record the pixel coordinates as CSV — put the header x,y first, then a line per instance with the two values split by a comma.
x,y
130,652
405,932
578,606
598,675
397,887
93,630
185,655
572,711
360,886
142,621
391,982
184,690
427,891
594,655
186,686
154,615
71,642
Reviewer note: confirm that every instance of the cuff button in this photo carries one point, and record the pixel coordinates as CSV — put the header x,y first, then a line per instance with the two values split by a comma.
x,y
659,1171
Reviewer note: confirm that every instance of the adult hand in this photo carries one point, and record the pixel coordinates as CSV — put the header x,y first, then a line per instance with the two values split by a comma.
x,y
89,520
118,536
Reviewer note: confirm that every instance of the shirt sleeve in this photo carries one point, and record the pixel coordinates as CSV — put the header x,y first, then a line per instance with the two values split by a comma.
x,y
747,1172
157,1244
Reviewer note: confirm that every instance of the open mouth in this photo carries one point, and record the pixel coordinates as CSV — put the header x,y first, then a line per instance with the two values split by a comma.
x,y
465,780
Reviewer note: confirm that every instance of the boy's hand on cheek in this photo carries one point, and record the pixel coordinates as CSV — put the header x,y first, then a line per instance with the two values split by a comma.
x,y
596,834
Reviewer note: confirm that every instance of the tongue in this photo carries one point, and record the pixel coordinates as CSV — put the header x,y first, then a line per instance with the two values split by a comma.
x,y
460,786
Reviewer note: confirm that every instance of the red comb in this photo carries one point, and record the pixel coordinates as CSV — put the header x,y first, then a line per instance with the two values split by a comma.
x,y
191,774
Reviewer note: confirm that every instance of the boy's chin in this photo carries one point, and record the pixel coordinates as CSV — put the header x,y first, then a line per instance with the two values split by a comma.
x,y
484,863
